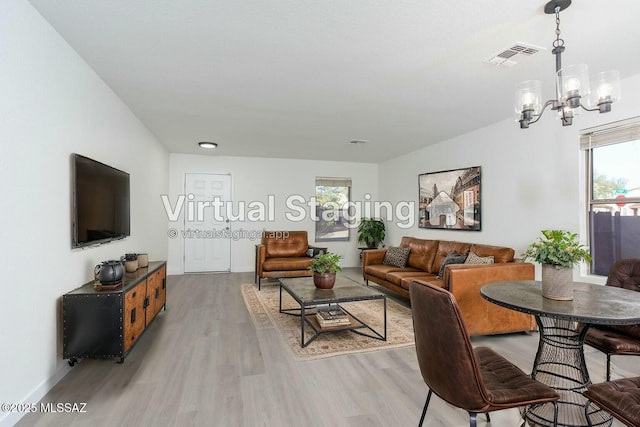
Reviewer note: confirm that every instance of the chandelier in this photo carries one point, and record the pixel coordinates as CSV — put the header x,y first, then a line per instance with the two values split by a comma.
x,y
573,90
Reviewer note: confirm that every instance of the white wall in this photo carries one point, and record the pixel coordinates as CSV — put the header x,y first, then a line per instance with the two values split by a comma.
x,y
255,179
531,178
52,105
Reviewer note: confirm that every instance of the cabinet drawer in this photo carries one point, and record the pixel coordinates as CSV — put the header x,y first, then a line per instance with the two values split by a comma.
x,y
134,315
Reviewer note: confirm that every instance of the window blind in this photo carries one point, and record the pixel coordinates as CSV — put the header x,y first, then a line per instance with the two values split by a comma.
x,y
612,133
333,182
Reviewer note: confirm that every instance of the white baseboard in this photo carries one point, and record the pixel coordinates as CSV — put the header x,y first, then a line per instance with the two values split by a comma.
x,y
10,419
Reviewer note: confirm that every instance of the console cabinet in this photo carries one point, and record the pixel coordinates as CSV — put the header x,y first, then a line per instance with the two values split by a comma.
x,y
106,324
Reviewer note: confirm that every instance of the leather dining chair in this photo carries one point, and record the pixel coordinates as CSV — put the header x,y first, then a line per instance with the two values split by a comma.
x,y
618,340
478,380
620,398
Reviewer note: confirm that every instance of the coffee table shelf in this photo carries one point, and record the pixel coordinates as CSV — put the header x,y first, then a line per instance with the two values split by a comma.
x,y
345,290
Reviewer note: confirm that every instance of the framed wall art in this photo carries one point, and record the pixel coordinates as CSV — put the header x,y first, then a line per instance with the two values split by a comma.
x,y
450,199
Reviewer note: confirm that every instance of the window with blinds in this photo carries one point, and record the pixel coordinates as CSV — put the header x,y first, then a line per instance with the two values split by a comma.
x,y
613,192
332,201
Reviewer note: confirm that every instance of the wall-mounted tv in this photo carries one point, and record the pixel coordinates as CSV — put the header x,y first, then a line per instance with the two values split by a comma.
x,y
100,211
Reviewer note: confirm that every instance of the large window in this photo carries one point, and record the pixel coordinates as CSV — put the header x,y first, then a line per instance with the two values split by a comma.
x,y
613,192
332,201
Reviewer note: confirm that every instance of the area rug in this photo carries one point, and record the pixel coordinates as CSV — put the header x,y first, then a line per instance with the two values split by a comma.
x,y
263,306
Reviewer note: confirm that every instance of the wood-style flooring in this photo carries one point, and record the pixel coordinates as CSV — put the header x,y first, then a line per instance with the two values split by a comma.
x,y
203,363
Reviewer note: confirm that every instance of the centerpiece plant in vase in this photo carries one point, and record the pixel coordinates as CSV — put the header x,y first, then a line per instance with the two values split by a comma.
x,y
324,267
558,251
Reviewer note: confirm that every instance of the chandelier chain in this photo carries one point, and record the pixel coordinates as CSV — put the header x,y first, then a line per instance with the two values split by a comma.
x,y
558,41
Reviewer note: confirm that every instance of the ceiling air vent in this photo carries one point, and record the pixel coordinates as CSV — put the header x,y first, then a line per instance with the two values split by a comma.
x,y
507,57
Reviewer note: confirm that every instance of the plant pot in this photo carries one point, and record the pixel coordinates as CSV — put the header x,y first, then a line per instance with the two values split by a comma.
x,y
557,283
324,281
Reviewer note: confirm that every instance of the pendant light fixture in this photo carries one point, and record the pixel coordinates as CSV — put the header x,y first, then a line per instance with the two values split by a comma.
x,y
574,91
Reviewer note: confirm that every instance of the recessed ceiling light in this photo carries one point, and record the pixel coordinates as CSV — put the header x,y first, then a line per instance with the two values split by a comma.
x,y
206,144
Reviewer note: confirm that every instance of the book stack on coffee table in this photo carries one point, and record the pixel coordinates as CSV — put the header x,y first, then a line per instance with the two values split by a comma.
x,y
332,316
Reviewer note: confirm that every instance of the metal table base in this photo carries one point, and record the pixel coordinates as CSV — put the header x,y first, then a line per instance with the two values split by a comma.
x,y
358,326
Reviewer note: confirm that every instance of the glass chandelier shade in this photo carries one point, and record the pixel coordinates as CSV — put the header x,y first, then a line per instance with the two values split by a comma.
x,y
574,90
605,89
528,99
572,84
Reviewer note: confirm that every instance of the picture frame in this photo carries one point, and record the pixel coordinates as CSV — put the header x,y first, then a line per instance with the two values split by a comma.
x,y
450,199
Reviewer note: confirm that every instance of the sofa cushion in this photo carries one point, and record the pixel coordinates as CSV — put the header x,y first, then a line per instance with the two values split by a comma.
x,y
421,254
430,278
381,270
396,256
444,249
452,258
286,263
473,258
500,254
397,277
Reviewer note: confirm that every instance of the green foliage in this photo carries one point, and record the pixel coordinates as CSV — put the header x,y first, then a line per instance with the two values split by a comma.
x,y
604,187
337,196
371,232
325,263
557,247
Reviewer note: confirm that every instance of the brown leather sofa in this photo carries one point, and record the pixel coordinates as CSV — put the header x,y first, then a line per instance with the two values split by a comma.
x,y
462,280
284,254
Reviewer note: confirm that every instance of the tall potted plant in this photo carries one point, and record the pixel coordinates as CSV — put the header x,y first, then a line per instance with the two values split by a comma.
x,y
371,232
558,251
324,267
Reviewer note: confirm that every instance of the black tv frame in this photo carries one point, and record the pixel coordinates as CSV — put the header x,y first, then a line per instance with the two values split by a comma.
x,y
75,243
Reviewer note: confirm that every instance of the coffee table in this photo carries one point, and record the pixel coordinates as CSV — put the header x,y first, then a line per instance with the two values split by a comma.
x,y
345,290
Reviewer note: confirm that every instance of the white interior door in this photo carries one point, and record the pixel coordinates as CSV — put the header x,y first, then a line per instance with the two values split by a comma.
x,y
207,230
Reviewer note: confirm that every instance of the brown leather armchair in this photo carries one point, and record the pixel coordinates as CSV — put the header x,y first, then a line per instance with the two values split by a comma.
x,y
618,339
477,380
284,254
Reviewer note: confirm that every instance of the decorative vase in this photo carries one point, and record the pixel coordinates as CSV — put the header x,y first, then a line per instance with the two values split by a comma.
x,y
324,281
143,260
557,283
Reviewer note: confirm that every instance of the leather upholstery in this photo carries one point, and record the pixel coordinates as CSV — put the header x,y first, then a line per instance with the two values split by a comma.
x,y
422,253
625,274
618,339
463,280
285,244
477,380
283,254
621,398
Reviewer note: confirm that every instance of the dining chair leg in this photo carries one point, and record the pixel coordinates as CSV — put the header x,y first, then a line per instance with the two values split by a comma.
x,y
555,413
488,417
472,419
608,367
424,410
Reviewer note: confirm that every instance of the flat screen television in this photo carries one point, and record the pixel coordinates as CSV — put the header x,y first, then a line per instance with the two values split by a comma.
x,y
100,211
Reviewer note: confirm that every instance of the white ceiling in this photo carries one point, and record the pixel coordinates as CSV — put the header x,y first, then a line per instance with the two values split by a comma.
x,y
302,78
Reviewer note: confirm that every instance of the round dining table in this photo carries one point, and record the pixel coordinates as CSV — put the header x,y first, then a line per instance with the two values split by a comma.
x,y
562,326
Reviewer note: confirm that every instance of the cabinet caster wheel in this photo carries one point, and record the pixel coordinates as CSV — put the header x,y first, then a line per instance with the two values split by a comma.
x,y
72,361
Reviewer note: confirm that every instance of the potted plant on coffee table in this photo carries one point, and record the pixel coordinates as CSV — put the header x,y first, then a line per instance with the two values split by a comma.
x,y
558,251
324,267
371,232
